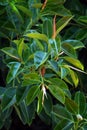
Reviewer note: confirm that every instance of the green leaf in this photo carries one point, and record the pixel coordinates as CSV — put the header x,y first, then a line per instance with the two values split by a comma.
x,y
45,118
2,90
20,47
75,43
24,112
81,34
57,93
74,62
39,44
64,72
31,112
32,78
16,11
48,105
40,58
71,106
39,104
8,98
62,23
13,71
10,52
54,2
54,65
3,2
81,101
39,36
37,5
59,82
83,19
47,28
64,125
21,93
62,112
24,10
69,50
32,94
74,77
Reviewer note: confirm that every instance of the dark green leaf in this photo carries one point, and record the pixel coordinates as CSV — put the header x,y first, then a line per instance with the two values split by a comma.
x,y
62,23
75,43
71,106
81,34
8,99
13,71
2,90
40,58
11,52
64,125
21,93
32,78
81,101
54,65
32,94
83,19
39,104
57,93
64,72
48,106
47,28
69,50
24,10
62,113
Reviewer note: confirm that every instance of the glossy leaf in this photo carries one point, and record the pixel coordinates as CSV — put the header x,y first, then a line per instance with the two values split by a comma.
x,y
69,50
53,65
24,10
47,28
16,12
64,125
8,99
11,52
81,101
32,94
75,43
39,104
44,117
32,78
62,23
13,71
81,34
26,113
48,105
64,72
20,48
62,113
74,77
31,112
83,19
2,90
39,36
71,106
74,62
59,82
40,58
57,93
21,93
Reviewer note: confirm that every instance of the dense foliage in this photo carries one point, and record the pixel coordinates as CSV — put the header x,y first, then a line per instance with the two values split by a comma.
x,y
40,61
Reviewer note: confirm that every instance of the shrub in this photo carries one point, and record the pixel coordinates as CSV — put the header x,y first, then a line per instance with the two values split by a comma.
x,y
41,53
